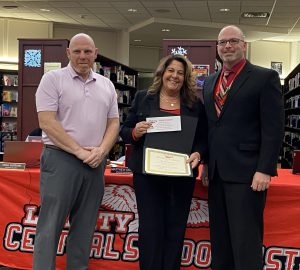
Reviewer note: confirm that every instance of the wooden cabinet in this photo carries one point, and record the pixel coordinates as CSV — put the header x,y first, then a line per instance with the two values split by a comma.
x,y
291,92
9,106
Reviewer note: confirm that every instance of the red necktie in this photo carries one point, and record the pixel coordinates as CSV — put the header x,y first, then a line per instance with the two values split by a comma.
x,y
222,92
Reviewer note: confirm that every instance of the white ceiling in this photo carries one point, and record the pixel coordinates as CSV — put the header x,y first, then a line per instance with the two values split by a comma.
x,y
186,19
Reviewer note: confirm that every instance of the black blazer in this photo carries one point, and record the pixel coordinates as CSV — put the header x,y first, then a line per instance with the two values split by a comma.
x,y
142,106
248,133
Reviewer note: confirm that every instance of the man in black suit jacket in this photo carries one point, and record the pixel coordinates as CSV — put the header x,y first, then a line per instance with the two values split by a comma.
x,y
244,108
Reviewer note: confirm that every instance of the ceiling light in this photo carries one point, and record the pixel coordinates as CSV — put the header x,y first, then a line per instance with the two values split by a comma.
x,y
255,15
137,40
83,16
165,30
45,10
132,10
10,7
224,9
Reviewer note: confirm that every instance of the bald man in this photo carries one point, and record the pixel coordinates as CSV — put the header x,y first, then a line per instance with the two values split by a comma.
x,y
78,113
244,108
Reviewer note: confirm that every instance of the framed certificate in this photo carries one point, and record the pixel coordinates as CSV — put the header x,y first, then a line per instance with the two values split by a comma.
x,y
167,163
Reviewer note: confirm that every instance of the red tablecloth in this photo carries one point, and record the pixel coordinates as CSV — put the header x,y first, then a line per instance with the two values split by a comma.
x,y
115,240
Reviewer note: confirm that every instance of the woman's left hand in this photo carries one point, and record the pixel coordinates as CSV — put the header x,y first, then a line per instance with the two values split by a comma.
x,y
194,159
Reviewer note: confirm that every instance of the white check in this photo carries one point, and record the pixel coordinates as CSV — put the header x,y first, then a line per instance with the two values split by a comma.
x,y
164,124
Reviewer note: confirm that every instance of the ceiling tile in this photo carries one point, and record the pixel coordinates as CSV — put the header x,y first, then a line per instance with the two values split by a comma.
x,y
201,17
117,18
34,4
171,13
103,10
86,17
63,4
158,4
127,4
95,4
190,4
75,10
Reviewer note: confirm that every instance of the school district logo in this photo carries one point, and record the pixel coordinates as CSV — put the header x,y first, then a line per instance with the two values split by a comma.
x,y
121,198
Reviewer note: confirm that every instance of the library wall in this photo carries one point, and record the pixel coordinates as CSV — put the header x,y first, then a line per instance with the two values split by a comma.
x,y
12,29
295,54
2,35
106,41
262,53
144,58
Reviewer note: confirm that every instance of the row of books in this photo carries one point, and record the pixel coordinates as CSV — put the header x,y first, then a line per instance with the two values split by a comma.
x,y
123,96
123,112
293,102
293,121
9,96
9,80
9,110
9,126
294,82
116,74
291,138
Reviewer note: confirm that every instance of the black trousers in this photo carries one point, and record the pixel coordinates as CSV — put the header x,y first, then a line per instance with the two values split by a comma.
x,y
163,207
236,225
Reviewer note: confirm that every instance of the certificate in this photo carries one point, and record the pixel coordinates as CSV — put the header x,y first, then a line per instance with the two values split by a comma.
x,y
164,124
166,163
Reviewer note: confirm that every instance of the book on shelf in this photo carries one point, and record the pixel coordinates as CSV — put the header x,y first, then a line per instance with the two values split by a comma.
x,y
120,75
9,126
123,96
106,72
130,80
9,110
123,112
9,96
10,80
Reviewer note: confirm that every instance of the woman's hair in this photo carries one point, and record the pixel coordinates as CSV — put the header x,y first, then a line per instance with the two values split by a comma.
x,y
188,92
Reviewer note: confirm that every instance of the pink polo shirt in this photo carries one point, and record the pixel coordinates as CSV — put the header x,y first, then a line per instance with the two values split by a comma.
x,y
82,107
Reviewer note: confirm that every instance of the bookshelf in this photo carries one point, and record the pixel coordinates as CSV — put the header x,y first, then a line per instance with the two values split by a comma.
x,y
9,106
124,79
291,93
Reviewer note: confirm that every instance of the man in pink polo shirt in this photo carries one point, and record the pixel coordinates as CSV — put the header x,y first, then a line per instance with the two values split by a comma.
x,y
78,113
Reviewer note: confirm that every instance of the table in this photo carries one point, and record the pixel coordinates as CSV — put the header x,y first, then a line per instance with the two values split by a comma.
x,y
115,240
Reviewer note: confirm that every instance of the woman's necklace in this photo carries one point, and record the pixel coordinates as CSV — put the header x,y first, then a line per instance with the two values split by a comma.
x,y
171,102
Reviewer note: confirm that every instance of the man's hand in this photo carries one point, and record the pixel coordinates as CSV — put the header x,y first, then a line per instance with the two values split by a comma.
x,y
95,157
261,181
82,153
204,175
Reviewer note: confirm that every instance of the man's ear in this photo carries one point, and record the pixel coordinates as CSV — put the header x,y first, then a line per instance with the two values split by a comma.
x,y
96,53
68,53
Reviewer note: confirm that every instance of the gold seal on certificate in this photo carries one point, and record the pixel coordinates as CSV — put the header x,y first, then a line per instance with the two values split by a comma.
x,y
166,163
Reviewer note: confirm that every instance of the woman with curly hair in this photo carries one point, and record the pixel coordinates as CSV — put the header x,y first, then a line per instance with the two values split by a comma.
x,y
164,201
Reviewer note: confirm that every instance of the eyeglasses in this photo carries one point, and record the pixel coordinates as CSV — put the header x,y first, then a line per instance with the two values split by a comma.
x,y
232,41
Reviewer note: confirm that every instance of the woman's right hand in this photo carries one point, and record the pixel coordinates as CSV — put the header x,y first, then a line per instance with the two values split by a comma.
x,y
141,129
